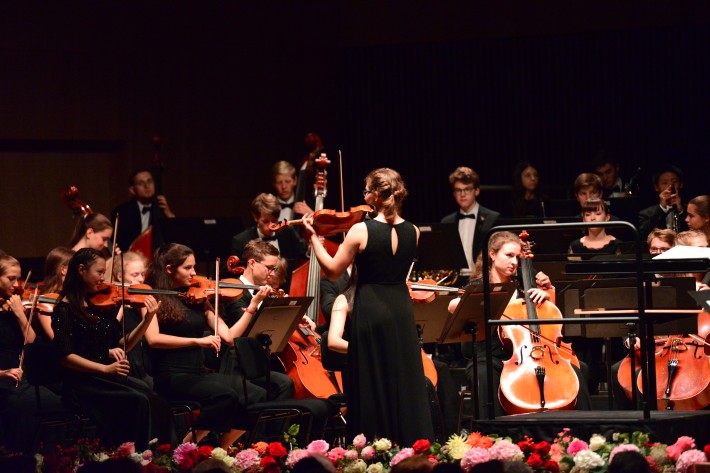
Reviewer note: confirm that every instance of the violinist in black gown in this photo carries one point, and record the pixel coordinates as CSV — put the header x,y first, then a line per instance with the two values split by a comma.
x,y
19,418
90,342
387,394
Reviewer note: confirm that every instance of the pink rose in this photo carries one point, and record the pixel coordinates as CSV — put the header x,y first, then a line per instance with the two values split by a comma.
x,y
126,448
401,455
295,456
473,457
337,454
576,447
359,441
368,453
318,447
351,455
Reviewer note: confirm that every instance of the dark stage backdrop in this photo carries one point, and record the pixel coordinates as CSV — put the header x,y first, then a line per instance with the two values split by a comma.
x,y
555,101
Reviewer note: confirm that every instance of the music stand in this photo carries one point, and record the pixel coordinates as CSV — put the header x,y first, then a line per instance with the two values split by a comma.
x,y
432,318
278,318
440,247
470,311
702,298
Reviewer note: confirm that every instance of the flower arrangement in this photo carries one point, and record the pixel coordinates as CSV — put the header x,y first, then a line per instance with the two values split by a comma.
x,y
565,453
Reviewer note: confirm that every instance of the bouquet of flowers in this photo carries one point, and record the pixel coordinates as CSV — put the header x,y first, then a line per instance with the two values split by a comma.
x,y
565,453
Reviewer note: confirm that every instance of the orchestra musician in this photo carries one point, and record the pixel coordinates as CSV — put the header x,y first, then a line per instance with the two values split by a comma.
x,y
177,338
129,268
669,212
698,217
527,198
385,371
19,418
472,218
265,210
143,210
504,249
284,181
91,345
55,270
94,231
596,241
262,260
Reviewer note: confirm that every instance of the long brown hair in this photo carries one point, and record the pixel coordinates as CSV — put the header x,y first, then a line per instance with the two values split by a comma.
x,y
389,186
96,222
56,259
174,255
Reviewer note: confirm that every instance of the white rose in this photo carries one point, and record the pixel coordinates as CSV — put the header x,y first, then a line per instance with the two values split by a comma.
x,y
596,442
587,460
357,466
382,445
375,468
219,453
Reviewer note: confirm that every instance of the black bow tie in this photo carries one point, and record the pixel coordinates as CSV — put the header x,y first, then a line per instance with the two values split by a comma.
x,y
266,238
284,205
146,209
460,216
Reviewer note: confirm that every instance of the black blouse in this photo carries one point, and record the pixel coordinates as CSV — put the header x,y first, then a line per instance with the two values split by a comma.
x,y
86,338
11,339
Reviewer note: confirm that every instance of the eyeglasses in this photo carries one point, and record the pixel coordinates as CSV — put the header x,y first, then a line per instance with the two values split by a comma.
x,y
463,190
269,269
655,250
366,191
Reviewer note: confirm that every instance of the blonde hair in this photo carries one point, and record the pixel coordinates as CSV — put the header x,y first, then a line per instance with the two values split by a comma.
x,y
389,186
283,167
265,203
7,261
684,238
128,257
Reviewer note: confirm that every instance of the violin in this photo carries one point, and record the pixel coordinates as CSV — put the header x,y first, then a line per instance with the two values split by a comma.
x,y
112,295
45,302
426,290
328,222
536,377
230,289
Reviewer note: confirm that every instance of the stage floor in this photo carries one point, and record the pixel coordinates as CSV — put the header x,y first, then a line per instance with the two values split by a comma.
x,y
663,426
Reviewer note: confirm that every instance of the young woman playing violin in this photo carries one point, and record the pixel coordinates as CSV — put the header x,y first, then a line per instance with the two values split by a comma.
x,y
504,249
17,397
93,349
387,383
55,270
92,231
177,337
132,271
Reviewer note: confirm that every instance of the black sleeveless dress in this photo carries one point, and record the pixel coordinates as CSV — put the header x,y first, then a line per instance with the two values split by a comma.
x,y
387,394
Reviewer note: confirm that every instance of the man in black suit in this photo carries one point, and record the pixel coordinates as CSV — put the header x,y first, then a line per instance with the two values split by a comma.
x,y
473,219
669,211
265,210
145,209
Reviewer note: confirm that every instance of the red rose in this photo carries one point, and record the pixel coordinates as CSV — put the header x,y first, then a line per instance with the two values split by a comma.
x,y
551,466
187,463
277,450
203,453
707,451
543,448
524,446
164,448
421,446
267,461
535,461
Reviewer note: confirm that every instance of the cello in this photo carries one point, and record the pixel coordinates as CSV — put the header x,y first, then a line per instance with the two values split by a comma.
x,y
682,369
536,377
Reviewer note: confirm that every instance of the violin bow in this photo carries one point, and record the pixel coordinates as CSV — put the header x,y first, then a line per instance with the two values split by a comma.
x,y
35,298
113,252
27,280
340,165
123,295
216,299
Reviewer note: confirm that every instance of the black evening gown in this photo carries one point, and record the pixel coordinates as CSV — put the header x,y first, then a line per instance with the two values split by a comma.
x,y
124,408
387,394
179,375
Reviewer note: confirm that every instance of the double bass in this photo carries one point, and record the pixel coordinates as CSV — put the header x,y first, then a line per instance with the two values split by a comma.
x,y
302,356
537,376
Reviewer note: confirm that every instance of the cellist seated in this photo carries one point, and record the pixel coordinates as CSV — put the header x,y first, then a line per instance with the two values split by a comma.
x,y
504,251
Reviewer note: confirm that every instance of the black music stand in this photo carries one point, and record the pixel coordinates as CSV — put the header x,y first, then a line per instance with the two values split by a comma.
x,y
432,318
440,247
702,298
469,315
278,318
